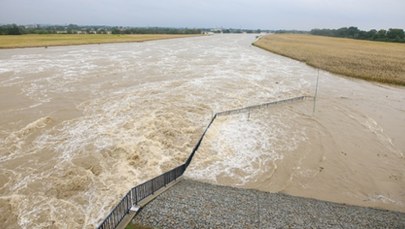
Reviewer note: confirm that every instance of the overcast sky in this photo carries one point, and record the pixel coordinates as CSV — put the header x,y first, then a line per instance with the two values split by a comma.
x,y
253,14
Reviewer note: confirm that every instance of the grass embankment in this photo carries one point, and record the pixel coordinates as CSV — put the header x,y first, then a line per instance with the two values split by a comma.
x,y
34,40
377,61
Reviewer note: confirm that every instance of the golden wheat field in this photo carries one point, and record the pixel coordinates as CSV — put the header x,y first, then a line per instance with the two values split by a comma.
x,y
34,40
377,61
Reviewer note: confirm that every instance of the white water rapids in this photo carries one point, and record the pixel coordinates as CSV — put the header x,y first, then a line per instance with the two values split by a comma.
x,y
81,125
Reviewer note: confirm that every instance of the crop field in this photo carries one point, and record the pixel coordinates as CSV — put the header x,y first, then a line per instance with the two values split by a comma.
x,y
377,61
34,40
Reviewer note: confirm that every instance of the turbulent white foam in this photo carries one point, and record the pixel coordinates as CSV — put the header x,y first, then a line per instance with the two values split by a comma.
x,y
142,108
123,113
242,155
242,147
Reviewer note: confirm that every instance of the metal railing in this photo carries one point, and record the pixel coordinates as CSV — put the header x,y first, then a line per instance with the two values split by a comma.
x,y
137,194
142,191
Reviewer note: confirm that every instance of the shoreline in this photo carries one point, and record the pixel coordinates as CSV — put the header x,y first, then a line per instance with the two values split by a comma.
x,y
121,38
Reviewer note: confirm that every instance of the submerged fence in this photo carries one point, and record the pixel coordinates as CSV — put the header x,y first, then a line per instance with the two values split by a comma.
x,y
264,105
142,191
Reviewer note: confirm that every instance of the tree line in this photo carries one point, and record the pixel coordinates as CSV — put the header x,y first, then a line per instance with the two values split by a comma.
x,y
391,35
13,29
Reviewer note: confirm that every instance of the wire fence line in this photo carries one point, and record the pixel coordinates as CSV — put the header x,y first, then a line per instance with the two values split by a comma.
x,y
148,188
261,106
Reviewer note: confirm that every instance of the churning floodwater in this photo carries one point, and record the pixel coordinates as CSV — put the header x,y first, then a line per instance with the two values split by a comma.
x,y
81,125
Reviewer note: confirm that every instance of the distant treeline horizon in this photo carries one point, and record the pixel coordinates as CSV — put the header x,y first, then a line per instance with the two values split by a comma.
x,y
13,29
391,35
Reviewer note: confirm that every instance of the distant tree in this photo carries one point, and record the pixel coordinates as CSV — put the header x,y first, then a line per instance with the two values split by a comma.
x,y
73,27
353,32
363,35
395,34
371,34
341,32
115,30
322,32
12,30
381,35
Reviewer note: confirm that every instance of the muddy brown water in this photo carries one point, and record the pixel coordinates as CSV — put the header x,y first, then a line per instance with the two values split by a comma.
x,y
81,125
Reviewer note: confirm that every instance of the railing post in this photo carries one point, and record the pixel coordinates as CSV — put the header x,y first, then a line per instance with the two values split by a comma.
x,y
153,190
132,197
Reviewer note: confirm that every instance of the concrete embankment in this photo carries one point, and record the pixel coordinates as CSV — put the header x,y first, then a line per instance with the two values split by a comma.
x,y
191,204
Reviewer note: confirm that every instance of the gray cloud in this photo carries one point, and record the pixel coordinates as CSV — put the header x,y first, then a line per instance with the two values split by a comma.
x,y
270,14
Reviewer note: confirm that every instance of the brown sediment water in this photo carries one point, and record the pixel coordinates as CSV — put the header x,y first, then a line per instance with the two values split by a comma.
x,y
81,125
350,150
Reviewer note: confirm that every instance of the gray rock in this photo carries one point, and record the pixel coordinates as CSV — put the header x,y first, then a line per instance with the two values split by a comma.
x,y
192,204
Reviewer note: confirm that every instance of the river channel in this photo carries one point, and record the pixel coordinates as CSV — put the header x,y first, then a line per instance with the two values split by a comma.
x,y
81,125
